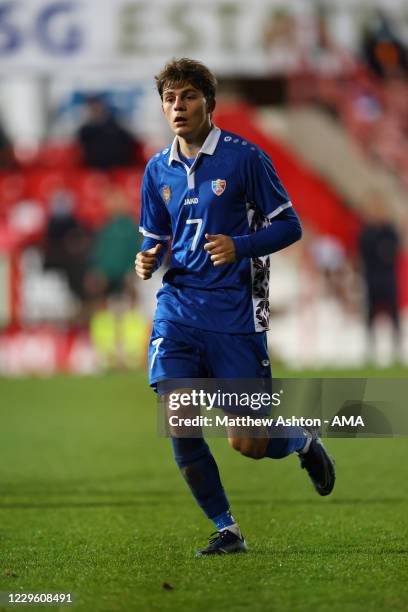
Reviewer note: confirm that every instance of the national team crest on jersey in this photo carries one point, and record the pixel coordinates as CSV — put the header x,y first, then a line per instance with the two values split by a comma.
x,y
218,186
166,193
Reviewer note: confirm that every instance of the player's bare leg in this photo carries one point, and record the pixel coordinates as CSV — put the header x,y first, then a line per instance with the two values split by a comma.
x,y
255,448
313,455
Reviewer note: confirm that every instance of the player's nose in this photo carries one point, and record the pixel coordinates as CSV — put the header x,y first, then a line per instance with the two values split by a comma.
x,y
179,104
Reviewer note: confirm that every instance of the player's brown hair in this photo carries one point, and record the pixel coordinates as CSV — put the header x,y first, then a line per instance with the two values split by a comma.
x,y
181,71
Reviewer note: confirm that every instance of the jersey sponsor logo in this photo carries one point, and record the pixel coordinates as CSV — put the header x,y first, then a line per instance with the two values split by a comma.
x,y
188,201
218,186
166,193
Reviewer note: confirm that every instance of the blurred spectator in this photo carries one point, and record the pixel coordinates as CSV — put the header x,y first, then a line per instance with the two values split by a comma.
x,y
67,242
104,143
373,112
281,41
113,250
118,330
379,247
330,259
361,107
324,56
7,158
120,335
382,48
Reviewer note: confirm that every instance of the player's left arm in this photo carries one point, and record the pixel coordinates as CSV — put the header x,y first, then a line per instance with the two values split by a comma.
x,y
284,230
263,187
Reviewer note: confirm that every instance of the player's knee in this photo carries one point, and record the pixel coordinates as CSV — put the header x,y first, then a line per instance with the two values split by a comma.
x,y
235,443
253,448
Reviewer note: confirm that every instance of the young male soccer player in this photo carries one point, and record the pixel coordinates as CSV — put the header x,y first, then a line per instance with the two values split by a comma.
x,y
219,199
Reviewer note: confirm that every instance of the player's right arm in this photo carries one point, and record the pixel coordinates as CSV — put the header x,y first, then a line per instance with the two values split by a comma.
x,y
155,225
147,261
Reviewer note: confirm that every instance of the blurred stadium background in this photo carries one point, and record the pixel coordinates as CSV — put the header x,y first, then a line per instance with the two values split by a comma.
x,y
320,85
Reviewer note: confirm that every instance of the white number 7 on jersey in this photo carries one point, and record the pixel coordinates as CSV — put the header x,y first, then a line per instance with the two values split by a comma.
x,y
199,224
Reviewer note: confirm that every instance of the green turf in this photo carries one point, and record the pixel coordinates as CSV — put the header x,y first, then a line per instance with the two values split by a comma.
x,y
91,502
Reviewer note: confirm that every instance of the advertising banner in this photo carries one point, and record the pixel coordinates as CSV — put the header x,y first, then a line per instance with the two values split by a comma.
x,y
260,37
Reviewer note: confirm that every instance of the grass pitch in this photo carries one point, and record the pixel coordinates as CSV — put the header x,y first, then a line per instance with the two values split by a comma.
x,y
92,503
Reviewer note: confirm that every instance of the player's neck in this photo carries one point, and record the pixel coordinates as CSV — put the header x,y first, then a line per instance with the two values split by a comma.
x,y
190,145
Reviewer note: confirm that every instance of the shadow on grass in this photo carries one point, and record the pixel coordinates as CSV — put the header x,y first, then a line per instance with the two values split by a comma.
x,y
318,500
327,551
64,505
145,498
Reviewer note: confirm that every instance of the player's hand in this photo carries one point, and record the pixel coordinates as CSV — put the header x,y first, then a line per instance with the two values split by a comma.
x,y
145,262
221,249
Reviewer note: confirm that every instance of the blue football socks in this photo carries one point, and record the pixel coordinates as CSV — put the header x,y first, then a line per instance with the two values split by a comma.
x,y
224,520
294,439
200,472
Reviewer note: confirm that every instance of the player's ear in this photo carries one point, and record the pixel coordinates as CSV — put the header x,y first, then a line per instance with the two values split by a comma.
x,y
211,105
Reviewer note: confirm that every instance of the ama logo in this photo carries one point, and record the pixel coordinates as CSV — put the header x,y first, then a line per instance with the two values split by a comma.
x,y
347,421
218,186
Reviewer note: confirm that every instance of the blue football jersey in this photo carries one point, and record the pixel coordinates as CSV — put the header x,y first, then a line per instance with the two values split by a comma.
x,y
231,188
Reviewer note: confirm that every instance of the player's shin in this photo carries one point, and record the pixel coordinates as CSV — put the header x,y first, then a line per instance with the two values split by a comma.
x,y
200,471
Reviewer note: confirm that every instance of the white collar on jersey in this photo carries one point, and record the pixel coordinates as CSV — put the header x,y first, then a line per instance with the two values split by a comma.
x,y
208,147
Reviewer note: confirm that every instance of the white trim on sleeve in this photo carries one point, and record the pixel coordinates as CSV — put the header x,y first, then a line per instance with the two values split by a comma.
x,y
279,210
150,235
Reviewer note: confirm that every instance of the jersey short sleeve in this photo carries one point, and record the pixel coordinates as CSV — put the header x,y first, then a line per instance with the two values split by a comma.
x,y
263,185
154,219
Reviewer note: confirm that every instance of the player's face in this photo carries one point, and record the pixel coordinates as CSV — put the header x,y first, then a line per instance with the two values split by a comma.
x,y
186,110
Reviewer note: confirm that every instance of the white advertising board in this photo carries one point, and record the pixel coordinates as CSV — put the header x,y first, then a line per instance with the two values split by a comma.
x,y
232,36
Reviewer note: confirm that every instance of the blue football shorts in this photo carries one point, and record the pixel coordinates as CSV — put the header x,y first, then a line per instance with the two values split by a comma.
x,y
180,351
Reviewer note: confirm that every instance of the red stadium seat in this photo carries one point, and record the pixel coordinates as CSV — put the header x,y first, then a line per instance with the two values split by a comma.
x,y
90,188
41,184
90,184
12,189
91,214
131,182
57,156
